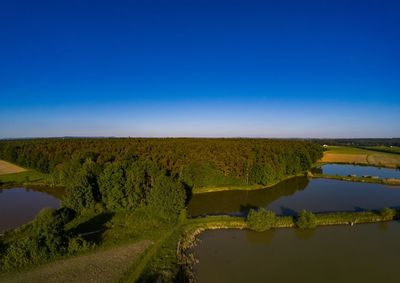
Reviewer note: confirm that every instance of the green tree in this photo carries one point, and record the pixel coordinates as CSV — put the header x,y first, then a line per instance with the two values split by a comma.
x,y
261,220
388,213
112,186
167,196
306,219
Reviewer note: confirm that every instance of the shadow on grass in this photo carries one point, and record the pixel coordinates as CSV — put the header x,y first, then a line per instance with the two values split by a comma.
x,y
93,229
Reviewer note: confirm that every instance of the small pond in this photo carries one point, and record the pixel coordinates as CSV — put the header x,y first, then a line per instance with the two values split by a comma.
x,y
19,206
362,253
293,195
360,171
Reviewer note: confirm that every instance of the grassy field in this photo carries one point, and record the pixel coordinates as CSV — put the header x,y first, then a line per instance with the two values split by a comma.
x,y
100,266
9,168
344,154
31,176
392,149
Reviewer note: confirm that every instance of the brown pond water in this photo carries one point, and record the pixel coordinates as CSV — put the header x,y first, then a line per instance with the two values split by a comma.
x,y
19,206
362,253
293,195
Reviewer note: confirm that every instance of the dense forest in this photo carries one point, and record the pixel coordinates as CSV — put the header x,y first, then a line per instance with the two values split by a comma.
x,y
126,172
152,177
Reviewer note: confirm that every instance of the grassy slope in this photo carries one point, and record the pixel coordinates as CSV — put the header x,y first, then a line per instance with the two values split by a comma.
x,y
344,154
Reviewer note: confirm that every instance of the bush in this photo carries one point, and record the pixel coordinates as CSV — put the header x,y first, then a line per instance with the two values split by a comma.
x,y
388,213
261,220
306,219
78,245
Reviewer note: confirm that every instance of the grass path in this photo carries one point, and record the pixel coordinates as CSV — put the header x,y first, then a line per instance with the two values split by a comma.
x,y
8,168
101,266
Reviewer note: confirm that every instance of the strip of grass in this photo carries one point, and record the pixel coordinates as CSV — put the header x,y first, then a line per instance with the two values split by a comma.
x,y
394,182
387,149
30,177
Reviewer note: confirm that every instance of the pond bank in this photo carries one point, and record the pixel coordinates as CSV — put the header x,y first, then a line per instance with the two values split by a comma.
x,y
194,227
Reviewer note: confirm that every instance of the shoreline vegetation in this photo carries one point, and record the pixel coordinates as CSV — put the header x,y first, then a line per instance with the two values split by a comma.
x,y
390,181
196,226
203,190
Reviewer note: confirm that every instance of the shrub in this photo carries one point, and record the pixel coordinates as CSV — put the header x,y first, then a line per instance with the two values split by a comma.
x,y
306,219
261,220
388,213
78,245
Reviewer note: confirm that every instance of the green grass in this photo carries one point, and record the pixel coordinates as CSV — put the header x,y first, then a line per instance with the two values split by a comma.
x,y
381,148
26,177
361,156
346,150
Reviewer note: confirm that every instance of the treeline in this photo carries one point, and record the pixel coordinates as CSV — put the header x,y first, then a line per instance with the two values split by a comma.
x,y
360,142
195,162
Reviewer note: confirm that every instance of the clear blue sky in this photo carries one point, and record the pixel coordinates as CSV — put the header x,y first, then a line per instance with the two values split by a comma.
x,y
200,68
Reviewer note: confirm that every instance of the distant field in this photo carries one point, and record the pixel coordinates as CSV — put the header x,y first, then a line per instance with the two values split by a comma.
x,y
101,266
344,154
389,149
8,168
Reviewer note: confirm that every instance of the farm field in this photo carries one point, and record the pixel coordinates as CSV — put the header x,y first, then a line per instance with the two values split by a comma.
x,y
343,154
8,168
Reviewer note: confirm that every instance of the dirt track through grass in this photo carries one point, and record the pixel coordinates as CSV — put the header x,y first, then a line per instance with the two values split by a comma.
x,y
8,168
102,266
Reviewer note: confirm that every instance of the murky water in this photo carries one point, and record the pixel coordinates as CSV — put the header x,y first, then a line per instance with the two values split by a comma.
x,y
291,196
362,253
20,205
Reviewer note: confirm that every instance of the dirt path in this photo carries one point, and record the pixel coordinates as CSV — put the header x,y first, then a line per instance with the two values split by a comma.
x,y
102,266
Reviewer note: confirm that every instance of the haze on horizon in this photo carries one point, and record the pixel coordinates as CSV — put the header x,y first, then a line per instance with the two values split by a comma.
x,y
200,68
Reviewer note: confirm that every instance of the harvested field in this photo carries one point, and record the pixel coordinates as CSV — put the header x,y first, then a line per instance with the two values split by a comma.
x,y
102,266
341,154
8,168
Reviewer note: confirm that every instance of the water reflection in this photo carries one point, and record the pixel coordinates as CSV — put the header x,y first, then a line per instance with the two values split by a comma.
x,y
20,205
239,202
362,253
291,196
357,170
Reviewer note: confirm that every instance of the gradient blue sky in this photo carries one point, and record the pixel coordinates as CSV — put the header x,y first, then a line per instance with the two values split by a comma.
x,y
200,68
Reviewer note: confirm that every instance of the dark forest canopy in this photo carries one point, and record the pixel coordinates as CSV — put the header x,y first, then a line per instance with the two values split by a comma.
x,y
183,157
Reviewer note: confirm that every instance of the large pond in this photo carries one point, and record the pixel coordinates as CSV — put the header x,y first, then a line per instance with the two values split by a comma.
x,y
20,205
359,171
293,195
362,253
